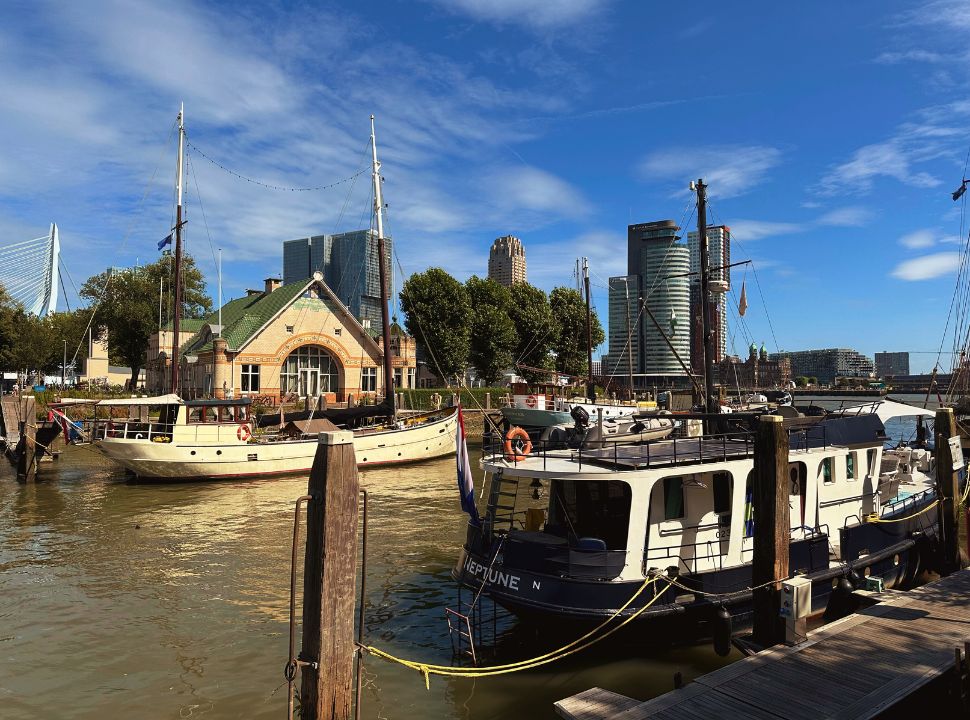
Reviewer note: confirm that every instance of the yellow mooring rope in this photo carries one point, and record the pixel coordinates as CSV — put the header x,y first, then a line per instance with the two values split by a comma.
x,y
874,517
427,669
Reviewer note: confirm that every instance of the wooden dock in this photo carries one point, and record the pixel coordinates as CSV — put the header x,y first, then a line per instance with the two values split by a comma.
x,y
856,667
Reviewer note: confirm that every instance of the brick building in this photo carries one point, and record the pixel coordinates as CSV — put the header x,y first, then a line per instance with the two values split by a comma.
x,y
296,339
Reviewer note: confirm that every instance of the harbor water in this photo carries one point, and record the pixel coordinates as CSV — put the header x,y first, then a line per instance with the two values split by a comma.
x,y
171,601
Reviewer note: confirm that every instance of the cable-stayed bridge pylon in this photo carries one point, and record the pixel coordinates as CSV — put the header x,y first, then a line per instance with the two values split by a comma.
x,y
29,272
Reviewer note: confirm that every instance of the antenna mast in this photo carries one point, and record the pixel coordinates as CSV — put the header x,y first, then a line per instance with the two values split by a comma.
x,y
177,313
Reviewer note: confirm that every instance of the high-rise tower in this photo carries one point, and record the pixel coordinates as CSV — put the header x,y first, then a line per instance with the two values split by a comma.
x,y
719,252
506,261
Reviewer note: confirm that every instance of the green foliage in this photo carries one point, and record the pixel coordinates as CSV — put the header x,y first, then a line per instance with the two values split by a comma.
x,y
801,381
128,307
493,335
532,317
420,399
569,311
438,314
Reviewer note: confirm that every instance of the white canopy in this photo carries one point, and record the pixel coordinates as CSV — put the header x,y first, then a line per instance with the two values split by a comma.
x,y
888,409
170,399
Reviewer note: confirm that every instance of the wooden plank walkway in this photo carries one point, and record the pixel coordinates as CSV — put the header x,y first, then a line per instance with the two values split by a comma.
x,y
854,668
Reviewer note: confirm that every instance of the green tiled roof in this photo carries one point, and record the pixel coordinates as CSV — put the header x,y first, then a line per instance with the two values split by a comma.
x,y
186,325
242,317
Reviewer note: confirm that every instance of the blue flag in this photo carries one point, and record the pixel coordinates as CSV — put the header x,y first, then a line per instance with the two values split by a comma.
x,y
466,485
166,241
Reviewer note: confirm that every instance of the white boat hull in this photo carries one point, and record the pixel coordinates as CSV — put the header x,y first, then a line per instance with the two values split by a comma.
x,y
184,461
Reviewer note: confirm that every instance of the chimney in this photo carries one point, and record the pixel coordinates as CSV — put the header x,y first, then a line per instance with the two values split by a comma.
x,y
271,284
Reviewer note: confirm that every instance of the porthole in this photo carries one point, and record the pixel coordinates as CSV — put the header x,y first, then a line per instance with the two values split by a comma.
x,y
192,452
896,559
218,452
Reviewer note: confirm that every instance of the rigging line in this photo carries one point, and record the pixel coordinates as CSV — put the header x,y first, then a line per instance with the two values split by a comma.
x,y
124,240
956,288
60,277
67,272
198,195
38,241
270,185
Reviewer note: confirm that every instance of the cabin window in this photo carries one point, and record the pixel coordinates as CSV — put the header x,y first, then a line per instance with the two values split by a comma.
x,y
749,506
250,378
673,498
872,462
850,466
590,509
825,471
723,488
368,379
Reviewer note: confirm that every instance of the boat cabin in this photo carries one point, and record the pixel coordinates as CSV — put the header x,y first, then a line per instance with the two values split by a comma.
x,y
167,418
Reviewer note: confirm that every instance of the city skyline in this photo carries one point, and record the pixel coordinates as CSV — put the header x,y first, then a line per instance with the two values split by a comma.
x,y
834,176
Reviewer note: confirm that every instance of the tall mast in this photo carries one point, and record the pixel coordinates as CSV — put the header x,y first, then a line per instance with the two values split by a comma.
x,y
177,312
711,403
389,389
590,388
629,335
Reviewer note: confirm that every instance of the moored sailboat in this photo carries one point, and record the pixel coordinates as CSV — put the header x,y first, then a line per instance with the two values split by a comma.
x,y
218,438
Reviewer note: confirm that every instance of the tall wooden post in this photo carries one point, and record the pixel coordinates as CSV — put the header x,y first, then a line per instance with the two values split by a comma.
x,y
328,580
952,520
27,458
771,527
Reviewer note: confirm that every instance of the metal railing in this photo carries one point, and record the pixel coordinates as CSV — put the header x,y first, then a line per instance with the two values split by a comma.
x,y
134,430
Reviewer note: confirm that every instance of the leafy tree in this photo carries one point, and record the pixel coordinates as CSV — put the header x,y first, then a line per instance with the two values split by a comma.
x,y
8,329
126,306
438,314
532,317
493,335
569,310
801,381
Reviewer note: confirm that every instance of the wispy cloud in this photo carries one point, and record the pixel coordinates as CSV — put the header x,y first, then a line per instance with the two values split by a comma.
x,y
846,217
746,230
928,267
536,14
895,58
918,239
534,190
953,14
730,170
698,28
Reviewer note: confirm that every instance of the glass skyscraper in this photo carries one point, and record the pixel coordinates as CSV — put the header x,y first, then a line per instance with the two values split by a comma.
x,y
349,265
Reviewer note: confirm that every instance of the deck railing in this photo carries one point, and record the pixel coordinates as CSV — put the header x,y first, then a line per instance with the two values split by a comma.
x,y
135,430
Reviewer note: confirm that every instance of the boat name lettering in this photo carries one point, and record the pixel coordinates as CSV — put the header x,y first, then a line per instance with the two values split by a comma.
x,y
493,577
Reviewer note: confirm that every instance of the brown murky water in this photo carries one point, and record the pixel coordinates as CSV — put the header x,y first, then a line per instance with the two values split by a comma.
x,y
170,601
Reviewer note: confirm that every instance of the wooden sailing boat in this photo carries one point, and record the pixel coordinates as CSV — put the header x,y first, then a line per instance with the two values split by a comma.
x,y
178,446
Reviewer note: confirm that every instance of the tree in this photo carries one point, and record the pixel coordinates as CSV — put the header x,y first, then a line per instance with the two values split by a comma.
x,y
493,335
126,306
801,381
569,312
532,317
438,314
8,329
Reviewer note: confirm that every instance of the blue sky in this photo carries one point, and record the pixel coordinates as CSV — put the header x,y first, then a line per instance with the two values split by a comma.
x,y
831,135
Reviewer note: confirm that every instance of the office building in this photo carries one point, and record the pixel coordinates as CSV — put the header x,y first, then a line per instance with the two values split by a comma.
x,y
662,264
891,364
828,364
349,265
719,254
506,261
623,348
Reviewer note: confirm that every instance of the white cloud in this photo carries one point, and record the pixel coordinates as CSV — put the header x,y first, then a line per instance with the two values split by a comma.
x,y
846,217
928,266
894,58
889,159
539,14
918,239
729,170
534,190
745,230
952,14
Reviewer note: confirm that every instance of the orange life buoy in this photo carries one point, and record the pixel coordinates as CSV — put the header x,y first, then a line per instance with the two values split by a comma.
x,y
531,401
243,432
517,444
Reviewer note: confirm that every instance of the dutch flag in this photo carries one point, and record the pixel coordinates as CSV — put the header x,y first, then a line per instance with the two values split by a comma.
x,y
466,483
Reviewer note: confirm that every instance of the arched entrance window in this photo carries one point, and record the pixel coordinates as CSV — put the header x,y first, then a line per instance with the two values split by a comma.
x,y
309,371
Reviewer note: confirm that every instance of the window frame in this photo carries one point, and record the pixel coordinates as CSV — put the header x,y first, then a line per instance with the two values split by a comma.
x,y
247,374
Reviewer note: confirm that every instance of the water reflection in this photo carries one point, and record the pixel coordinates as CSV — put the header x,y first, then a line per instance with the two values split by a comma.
x,y
171,601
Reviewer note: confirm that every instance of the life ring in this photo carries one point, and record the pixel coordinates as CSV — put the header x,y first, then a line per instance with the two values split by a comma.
x,y
243,432
531,401
517,444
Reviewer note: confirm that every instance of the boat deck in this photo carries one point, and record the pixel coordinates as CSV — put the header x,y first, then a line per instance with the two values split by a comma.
x,y
856,667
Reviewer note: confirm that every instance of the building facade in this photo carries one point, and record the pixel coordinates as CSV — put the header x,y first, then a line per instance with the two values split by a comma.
x,y
758,372
348,262
719,254
828,364
662,263
288,341
891,364
506,261
623,354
